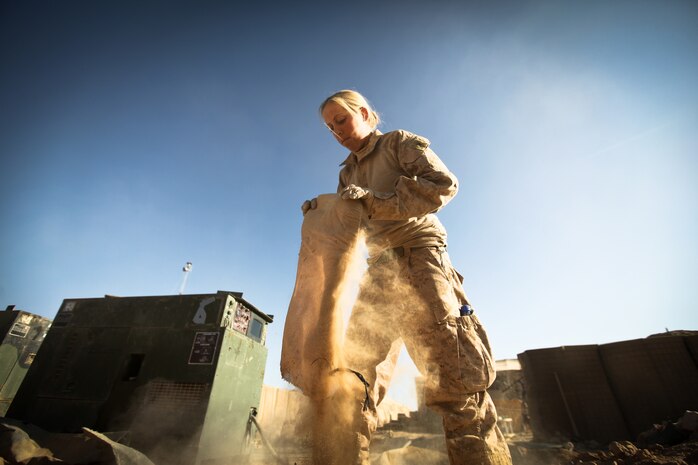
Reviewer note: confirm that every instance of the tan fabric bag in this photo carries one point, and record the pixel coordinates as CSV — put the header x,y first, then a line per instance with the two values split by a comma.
x,y
313,333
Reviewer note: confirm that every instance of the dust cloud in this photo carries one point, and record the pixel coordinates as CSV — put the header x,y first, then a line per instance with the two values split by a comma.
x,y
164,429
333,361
341,410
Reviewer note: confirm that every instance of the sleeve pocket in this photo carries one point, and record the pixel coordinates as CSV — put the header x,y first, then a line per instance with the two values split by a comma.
x,y
413,147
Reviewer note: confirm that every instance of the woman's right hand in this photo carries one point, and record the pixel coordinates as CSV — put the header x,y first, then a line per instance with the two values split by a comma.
x,y
309,205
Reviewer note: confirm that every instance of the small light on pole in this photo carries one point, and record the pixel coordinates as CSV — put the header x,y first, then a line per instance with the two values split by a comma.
x,y
186,269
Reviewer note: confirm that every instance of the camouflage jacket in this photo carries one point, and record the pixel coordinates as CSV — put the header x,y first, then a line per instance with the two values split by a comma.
x,y
410,183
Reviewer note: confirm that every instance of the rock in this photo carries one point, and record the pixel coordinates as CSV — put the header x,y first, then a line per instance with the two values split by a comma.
x,y
17,447
21,444
666,434
689,421
623,448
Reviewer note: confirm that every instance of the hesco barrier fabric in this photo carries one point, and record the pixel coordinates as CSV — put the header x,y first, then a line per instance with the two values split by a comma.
x,y
313,333
692,343
568,394
612,391
311,352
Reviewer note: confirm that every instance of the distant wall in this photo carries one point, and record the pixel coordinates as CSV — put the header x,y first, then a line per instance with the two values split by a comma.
x,y
284,414
612,391
507,393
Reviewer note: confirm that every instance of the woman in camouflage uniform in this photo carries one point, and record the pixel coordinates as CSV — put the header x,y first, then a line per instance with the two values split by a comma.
x,y
411,292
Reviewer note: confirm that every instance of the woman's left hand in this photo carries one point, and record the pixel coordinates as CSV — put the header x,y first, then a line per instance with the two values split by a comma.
x,y
354,192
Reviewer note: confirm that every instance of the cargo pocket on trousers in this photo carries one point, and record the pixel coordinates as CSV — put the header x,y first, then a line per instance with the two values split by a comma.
x,y
475,362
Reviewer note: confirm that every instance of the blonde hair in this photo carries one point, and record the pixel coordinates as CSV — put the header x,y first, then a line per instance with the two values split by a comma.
x,y
352,101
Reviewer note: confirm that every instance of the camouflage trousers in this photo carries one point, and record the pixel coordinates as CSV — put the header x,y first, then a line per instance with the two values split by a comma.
x,y
415,296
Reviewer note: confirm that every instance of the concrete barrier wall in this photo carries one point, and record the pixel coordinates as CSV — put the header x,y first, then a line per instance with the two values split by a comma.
x,y
612,391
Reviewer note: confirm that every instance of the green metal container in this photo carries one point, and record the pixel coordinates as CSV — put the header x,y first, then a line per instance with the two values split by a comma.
x,y
21,334
178,375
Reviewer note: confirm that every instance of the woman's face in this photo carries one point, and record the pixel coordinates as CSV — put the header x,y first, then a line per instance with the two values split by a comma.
x,y
349,128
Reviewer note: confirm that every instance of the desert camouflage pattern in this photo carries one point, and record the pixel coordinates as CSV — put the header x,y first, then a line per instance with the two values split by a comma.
x,y
412,293
409,183
416,298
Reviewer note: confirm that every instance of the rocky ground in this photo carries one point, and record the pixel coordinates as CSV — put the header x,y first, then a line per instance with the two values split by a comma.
x,y
616,453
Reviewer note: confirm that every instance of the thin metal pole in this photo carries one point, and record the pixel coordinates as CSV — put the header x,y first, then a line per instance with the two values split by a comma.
x,y
567,407
186,269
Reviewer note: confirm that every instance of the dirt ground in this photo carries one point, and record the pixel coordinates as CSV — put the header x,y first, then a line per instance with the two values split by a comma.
x,y
402,448
616,453
390,448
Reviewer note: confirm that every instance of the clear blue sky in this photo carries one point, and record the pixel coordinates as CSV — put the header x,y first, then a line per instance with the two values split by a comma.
x,y
137,136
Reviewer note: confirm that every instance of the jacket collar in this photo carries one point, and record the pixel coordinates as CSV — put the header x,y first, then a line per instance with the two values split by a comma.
x,y
365,151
